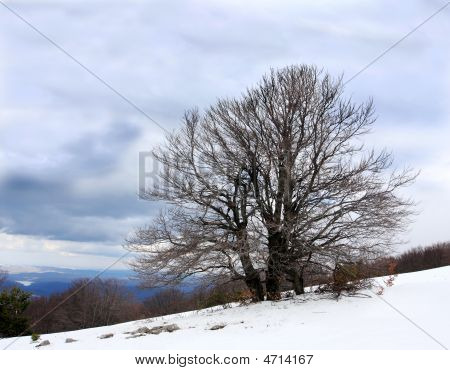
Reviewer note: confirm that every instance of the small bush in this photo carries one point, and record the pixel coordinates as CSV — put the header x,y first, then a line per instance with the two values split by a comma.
x,y
346,278
35,337
245,297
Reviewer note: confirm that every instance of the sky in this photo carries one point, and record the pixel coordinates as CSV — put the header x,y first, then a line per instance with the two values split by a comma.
x,y
69,145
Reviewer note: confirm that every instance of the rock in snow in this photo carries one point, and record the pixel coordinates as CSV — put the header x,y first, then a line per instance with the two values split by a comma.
x,y
155,330
171,328
105,336
135,336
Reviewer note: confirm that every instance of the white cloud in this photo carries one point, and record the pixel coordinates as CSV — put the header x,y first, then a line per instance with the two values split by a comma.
x,y
38,251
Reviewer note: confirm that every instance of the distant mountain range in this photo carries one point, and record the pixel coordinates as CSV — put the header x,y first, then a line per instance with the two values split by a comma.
x,y
44,280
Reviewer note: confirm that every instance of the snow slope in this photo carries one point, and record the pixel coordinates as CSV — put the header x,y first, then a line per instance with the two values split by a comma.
x,y
310,322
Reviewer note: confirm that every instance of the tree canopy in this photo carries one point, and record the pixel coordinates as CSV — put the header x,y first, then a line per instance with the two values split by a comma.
x,y
262,187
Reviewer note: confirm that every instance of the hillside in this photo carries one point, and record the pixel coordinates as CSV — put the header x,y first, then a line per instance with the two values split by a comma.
x,y
309,322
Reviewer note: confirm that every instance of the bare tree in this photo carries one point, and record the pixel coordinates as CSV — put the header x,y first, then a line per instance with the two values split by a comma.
x,y
206,231
273,182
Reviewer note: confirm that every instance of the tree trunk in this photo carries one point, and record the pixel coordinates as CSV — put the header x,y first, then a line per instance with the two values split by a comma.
x,y
273,286
298,283
274,267
256,287
252,278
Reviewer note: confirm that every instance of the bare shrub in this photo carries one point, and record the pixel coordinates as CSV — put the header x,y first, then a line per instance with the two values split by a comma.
x,y
347,278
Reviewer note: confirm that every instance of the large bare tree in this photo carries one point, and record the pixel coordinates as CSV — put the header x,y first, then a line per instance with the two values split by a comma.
x,y
264,185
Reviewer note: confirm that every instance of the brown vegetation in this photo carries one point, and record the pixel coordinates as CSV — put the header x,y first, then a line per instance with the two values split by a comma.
x,y
416,259
100,303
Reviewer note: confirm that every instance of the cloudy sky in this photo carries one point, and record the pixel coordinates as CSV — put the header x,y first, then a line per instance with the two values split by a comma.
x,y
69,145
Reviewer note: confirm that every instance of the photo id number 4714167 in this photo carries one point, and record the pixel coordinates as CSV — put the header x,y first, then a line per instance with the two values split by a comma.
x,y
288,359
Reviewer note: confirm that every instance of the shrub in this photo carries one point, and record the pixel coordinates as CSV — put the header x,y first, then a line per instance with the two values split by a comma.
x,y
347,277
35,337
13,303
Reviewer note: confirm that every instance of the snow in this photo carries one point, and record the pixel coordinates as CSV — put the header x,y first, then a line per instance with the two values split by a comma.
x,y
308,322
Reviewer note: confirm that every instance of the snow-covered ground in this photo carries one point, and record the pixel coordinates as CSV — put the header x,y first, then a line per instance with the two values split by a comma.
x,y
310,322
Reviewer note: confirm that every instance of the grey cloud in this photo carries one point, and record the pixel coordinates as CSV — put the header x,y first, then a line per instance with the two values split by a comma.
x,y
100,152
53,210
48,204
